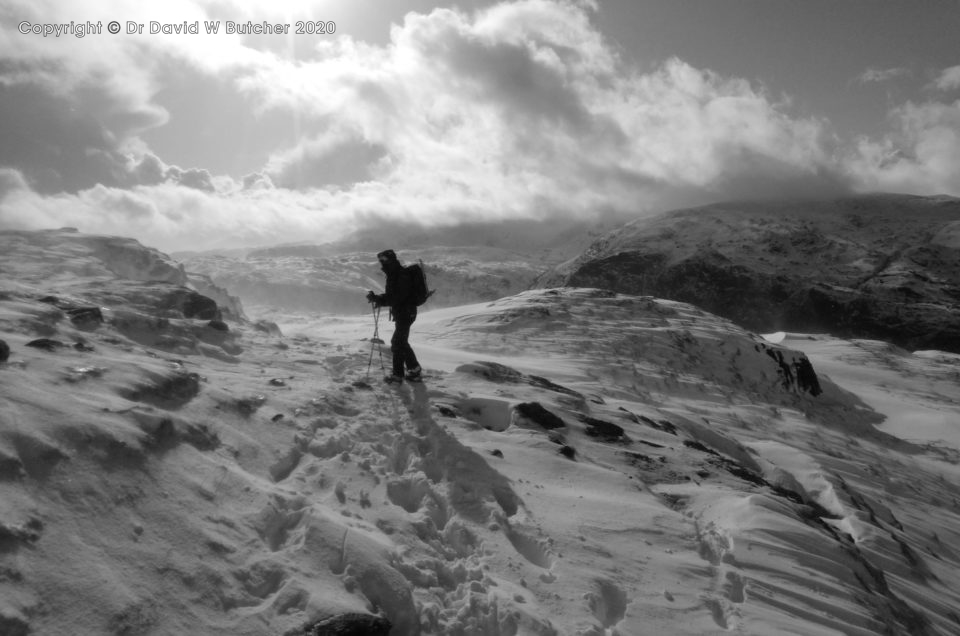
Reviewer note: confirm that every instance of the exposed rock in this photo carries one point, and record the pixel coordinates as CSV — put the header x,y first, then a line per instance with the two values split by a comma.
x,y
46,344
880,266
86,318
352,624
533,413
218,325
544,383
229,305
604,430
4,351
267,327
166,431
166,391
199,306
493,371
795,370
12,536
247,406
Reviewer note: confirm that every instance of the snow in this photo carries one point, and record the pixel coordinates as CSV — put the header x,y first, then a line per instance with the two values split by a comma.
x,y
256,484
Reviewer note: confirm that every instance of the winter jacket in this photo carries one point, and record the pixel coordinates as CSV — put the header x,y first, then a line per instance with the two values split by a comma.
x,y
398,294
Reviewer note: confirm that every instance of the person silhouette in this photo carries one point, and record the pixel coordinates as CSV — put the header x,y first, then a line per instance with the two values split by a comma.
x,y
398,296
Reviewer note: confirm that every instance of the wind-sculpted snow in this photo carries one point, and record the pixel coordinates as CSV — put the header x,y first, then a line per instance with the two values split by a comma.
x,y
575,462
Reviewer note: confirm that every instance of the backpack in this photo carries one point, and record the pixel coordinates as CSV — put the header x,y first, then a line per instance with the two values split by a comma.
x,y
418,279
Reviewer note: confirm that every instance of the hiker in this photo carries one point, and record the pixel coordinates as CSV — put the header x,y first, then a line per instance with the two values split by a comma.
x,y
399,297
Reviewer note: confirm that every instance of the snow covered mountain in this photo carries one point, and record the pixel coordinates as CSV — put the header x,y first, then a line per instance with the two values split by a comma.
x,y
477,262
576,462
872,266
95,267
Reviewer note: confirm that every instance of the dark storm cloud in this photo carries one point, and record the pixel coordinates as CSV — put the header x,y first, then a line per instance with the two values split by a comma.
x,y
508,76
55,142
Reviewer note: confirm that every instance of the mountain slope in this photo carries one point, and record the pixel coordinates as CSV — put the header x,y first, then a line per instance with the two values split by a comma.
x,y
67,262
576,462
878,266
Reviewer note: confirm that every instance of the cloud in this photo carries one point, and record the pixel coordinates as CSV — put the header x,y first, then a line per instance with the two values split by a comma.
x,y
875,75
151,170
197,178
921,155
949,79
257,181
329,160
56,144
522,109
175,217
11,180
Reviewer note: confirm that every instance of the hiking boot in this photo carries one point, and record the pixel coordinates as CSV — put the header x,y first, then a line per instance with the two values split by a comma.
x,y
393,379
414,375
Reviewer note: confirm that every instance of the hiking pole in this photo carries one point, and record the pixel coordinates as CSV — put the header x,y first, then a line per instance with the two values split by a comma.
x,y
379,340
376,336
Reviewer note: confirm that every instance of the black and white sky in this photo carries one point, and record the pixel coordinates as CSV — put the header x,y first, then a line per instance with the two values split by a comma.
x,y
441,112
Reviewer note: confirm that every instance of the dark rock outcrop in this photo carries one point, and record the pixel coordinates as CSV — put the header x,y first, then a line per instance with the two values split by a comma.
x,y
795,369
168,391
267,327
46,344
197,305
881,266
85,318
534,413
4,351
218,325
229,305
601,429
352,624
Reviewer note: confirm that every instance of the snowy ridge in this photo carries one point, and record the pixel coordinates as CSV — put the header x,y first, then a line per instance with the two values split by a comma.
x,y
677,477
50,257
866,266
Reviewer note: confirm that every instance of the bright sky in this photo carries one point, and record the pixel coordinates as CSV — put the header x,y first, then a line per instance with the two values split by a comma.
x,y
467,110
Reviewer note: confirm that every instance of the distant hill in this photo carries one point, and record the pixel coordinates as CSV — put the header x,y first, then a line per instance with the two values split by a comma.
x,y
94,267
878,266
468,263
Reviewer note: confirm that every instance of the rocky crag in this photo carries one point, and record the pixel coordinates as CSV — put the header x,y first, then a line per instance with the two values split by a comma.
x,y
878,266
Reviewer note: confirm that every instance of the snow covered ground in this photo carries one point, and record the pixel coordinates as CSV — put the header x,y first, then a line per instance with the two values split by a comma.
x,y
252,483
